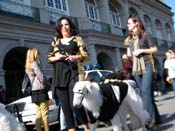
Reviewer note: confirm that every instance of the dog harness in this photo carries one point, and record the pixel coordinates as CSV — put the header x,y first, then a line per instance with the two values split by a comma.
x,y
110,103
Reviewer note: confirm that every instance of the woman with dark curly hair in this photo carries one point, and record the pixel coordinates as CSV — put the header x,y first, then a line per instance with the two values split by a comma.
x,y
67,54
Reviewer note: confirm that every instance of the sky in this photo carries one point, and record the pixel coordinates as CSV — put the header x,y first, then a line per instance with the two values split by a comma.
x,y
171,3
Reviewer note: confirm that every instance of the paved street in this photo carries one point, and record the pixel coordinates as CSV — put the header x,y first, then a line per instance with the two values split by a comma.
x,y
166,106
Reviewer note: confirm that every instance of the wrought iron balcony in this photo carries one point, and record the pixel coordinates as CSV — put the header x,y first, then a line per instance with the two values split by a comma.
x,y
21,11
100,27
119,31
14,9
107,28
163,44
171,44
53,16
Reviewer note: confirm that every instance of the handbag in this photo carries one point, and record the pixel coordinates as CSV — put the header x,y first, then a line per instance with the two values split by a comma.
x,y
26,85
47,84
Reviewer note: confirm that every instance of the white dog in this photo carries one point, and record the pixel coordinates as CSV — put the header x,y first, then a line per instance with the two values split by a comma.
x,y
89,94
8,121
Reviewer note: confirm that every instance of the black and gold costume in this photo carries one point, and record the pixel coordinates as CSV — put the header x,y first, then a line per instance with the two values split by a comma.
x,y
64,70
66,73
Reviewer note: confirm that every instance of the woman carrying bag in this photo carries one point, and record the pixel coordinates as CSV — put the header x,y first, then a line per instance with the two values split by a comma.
x,y
39,93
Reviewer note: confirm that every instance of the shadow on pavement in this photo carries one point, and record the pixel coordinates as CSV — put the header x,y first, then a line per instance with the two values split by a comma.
x,y
164,99
165,119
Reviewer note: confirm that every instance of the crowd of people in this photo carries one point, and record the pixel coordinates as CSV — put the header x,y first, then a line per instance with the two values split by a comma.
x,y
68,52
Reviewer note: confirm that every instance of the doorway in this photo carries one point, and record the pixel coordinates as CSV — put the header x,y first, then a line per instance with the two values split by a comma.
x,y
13,66
105,61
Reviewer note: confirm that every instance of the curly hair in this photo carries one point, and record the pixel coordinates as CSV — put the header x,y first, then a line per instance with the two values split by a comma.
x,y
73,28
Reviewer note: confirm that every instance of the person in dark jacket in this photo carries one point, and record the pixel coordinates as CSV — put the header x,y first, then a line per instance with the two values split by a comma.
x,y
39,92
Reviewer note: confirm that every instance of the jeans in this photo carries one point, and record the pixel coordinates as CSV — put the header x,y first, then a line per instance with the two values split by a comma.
x,y
173,84
145,84
42,115
63,121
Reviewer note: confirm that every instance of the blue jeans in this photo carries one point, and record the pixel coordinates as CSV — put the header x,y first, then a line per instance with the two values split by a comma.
x,y
145,84
62,117
173,84
63,121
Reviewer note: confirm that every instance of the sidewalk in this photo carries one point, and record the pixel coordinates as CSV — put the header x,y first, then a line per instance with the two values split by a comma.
x,y
166,107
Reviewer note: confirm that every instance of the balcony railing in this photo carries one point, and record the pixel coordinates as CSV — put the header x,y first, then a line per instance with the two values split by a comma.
x,y
163,44
53,16
14,9
100,27
21,11
171,44
118,31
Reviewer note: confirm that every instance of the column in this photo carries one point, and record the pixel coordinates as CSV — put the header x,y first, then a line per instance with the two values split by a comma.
x,y
92,52
118,59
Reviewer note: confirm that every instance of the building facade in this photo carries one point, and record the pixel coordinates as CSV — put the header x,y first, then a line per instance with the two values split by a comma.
x,y
102,24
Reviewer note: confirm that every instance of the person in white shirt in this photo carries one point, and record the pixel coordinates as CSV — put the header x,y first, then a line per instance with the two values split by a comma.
x,y
170,65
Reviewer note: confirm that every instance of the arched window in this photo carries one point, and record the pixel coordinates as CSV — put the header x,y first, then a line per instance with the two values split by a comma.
x,y
158,29
168,32
91,10
148,24
159,32
57,4
115,16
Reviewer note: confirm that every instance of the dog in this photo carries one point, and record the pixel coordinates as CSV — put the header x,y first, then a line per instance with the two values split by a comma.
x,y
8,121
89,94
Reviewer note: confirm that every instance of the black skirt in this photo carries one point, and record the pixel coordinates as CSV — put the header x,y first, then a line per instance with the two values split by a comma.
x,y
39,96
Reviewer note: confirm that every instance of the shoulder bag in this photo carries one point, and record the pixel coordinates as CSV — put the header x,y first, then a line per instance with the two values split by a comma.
x,y
26,85
46,83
